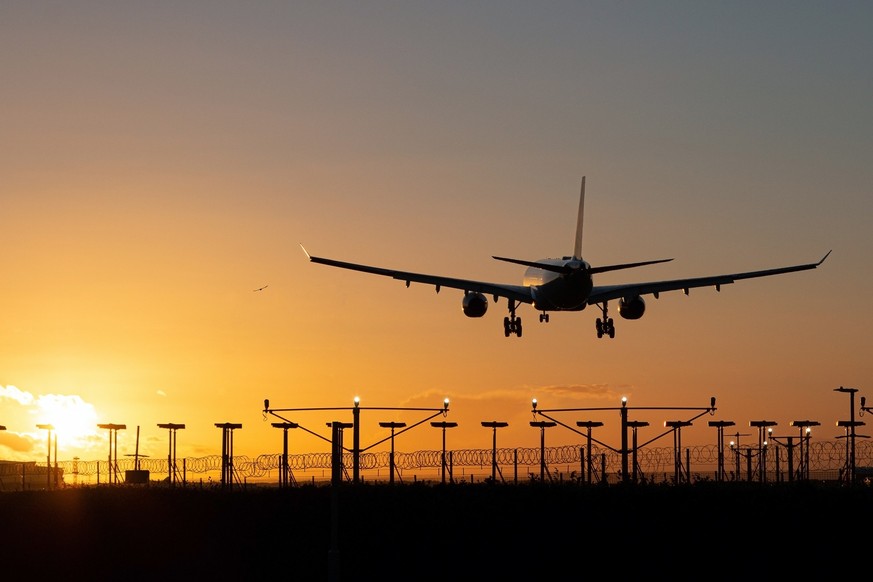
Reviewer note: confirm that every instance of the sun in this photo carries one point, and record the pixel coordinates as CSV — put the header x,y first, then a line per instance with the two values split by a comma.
x,y
73,419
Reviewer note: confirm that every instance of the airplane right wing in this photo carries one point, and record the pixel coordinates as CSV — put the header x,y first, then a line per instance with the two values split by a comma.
x,y
603,293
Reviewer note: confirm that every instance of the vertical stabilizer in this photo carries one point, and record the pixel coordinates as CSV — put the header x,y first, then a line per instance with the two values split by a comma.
x,y
577,250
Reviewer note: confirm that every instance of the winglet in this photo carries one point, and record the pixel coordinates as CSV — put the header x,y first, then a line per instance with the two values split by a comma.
x,y
823,258
304,251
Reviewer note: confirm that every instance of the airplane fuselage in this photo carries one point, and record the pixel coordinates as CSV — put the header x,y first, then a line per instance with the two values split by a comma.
x,y
554,291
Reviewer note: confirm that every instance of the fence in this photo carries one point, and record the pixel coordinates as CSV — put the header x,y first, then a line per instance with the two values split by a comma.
x,y
821,460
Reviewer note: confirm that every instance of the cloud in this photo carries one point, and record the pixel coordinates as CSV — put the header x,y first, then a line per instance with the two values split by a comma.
x,y
584,391
16,395
17,443
161,393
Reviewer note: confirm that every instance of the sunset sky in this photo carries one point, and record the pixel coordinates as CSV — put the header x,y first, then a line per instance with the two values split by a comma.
x,y
161,161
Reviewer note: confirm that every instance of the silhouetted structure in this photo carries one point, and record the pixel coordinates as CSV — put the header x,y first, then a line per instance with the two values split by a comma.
x,y
494,425
444,425
113,448
284,469
227,429
588,462
172,469
393,426
48,460
676,426
634,425
720,425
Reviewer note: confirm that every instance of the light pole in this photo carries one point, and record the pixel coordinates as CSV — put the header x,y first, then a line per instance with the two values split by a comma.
x,y
171,451
634,425
676,426
850,433
762,446
227,429
494,425
444,425
624,475
542,425
48,461
284,470
589,424
113,448
805,436
720,426
392,426
356,440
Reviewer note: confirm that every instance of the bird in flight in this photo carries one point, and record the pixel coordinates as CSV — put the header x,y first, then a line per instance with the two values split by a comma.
x,y
261,288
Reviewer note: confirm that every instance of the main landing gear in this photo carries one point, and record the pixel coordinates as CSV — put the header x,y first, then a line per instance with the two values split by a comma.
x,y
512,324
605,325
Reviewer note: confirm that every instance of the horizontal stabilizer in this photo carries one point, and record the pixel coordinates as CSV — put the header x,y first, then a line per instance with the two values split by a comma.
x,y
625,266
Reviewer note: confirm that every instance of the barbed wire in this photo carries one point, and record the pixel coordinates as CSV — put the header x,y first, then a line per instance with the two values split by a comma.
x,y
818,456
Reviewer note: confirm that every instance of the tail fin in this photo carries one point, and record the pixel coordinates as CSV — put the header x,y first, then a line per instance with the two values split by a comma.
x,y
577,250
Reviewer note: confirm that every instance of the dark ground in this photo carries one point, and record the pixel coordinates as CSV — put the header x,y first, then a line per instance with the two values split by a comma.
x,y
427,532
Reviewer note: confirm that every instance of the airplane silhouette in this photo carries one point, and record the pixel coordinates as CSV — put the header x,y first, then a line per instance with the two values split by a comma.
x,y
564,284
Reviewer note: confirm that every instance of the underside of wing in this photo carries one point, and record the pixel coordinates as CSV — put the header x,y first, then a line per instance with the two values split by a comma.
x,y
516,292
603,293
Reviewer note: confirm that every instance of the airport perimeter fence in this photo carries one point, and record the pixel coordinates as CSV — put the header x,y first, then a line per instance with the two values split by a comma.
x,y
817,461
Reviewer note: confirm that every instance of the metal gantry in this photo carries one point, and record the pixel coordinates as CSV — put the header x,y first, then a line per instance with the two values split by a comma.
x,y
625,450
49,428
543,425
113,448
634,425
851,435
393,426
802,471
762,425
227,429
284,470
588,462
336,437
720,425
171,453
494,425
443,461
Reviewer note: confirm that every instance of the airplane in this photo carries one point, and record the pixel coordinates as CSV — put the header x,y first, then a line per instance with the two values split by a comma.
x,y
563,284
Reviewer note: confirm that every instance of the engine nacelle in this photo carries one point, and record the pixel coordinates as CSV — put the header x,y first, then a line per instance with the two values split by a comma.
x,y
475,304
631,307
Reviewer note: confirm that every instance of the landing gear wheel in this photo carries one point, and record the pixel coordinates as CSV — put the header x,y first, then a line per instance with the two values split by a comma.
x,y
512,324
605,326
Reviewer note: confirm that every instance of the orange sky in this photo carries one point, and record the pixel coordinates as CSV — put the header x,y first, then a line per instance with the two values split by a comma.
x,y
161,163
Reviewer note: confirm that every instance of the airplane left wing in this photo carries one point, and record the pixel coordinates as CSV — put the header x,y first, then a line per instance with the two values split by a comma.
x,y
516,292
602,293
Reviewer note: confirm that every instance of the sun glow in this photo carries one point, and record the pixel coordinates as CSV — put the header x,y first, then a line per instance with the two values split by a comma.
x,y
73,419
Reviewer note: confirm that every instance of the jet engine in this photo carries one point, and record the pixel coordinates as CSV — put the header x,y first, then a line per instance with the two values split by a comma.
x,y
475,304
631,307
